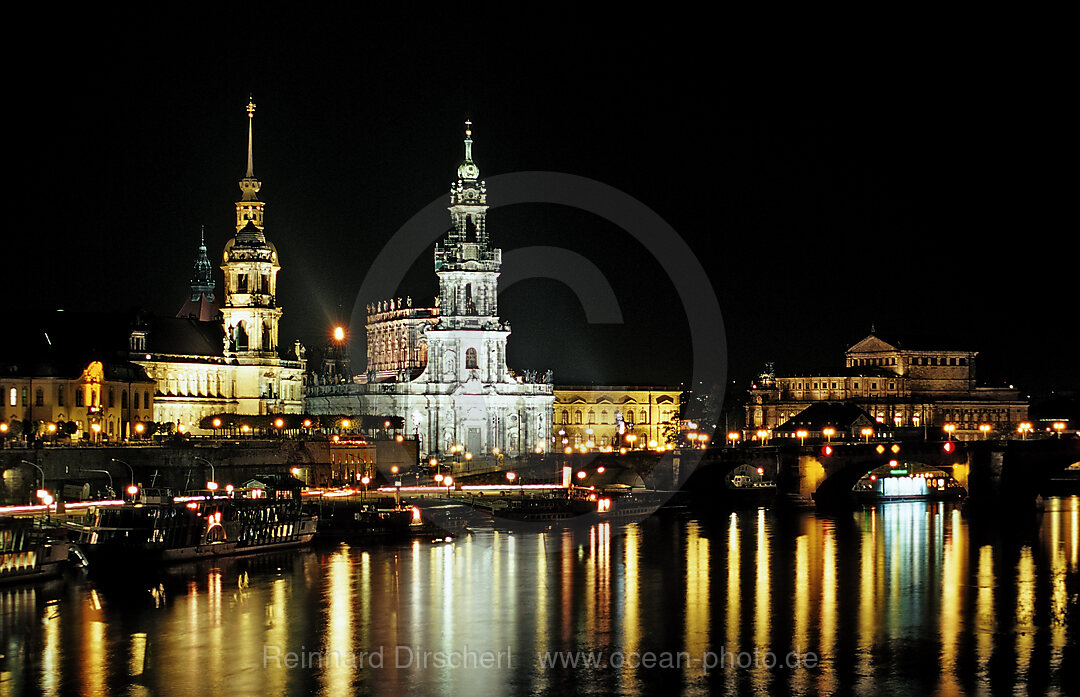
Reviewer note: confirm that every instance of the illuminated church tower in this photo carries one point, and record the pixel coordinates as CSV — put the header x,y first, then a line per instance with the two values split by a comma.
x,y
443,369
250,263
201,304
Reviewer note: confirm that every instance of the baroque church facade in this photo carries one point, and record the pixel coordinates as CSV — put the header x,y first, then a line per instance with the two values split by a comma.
x,y
226,358
443,368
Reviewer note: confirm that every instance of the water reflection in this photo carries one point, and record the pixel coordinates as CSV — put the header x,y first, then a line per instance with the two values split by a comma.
x,y
907,598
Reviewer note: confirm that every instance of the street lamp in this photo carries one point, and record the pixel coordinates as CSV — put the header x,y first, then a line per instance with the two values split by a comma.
x,y
132,469
1024,429
448,482
802,434
212,478
984,428
949,429
733,436
38,468
365,480
866,433
828,432
1059,426
762,436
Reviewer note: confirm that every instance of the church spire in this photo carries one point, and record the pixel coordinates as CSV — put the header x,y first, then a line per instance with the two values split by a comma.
x,y
200,304
249,209
251,119
202,282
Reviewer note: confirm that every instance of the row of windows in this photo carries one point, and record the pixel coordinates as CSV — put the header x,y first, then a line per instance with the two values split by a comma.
x,y
628,417
80,397
916,360
825,385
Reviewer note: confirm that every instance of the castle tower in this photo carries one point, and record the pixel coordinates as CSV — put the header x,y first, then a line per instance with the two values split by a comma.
x,y
250,263
200,305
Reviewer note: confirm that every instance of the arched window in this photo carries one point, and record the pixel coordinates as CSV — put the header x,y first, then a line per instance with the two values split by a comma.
x,y
470,358
577,416
565,417
630,416
592,416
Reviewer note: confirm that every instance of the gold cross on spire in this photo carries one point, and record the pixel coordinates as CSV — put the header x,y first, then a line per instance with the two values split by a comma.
x,y
251,107
468,128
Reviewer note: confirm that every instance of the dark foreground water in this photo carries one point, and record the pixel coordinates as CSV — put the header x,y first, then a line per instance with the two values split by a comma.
x,y
904,598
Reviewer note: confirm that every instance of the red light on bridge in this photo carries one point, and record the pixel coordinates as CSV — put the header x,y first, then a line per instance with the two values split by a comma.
x,y
826,450
949,446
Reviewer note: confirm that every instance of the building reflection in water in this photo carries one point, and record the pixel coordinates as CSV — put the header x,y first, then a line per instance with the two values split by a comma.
x,y
907,598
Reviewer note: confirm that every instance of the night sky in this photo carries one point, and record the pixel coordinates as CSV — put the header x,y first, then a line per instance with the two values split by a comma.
x,y
907,194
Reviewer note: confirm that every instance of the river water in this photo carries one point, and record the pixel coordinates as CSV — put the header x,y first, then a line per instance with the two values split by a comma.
x,y
899,599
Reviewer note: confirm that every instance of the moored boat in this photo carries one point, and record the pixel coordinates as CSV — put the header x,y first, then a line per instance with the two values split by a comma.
x,y
171,529
29,553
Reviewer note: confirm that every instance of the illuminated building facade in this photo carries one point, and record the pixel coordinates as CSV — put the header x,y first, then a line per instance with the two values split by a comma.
x,y
902,387
443,369
209,361
104,400
600,416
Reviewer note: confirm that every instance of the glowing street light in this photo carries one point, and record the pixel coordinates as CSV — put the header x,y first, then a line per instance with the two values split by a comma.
x,y
984,429
762,436
949,429
1024,429
802,434
733,436
866,433
828,432
1059,426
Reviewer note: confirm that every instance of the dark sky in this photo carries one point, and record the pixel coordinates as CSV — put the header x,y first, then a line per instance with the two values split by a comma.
x,y
909,192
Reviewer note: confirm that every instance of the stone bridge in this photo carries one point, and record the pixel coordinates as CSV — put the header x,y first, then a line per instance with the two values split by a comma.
x,y
994,473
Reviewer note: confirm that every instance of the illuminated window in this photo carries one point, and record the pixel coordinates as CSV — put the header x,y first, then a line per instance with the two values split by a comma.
x,y
24,402
577,416
565,417
470,358
241,283
592,416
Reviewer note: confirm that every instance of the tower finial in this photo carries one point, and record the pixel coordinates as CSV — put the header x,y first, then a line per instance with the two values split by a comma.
x,y
468,169
251,118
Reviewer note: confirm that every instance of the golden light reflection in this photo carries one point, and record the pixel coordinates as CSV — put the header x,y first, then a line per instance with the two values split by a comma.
x,y
137,659
800,640
1025,615
827,682
1059,595
631,619
762,605
93,659
1074,535
985,620
733,598
338,670
696,640
867,606
275,674
952,579
50,662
